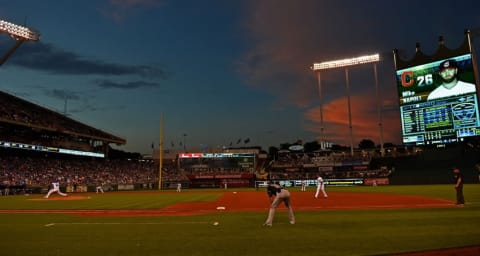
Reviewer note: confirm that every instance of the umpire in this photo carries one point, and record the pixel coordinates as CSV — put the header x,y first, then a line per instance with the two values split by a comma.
x,y
459,186
279,195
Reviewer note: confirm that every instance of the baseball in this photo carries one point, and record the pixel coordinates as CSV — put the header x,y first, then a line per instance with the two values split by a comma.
x,y
215,223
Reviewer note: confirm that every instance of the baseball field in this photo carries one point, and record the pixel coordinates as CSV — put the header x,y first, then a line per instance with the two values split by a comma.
x,y
383,220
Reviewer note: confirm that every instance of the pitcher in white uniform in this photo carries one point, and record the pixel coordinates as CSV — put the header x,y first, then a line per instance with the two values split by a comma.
x,y
55,188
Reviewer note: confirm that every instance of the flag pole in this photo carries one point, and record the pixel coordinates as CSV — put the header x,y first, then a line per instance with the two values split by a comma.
x,y
160,156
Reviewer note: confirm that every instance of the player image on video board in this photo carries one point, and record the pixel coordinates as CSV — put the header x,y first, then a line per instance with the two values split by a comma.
x,y
438,101
450,84
440,79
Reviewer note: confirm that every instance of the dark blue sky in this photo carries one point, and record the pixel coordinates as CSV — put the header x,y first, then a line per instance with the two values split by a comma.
x,y
220,71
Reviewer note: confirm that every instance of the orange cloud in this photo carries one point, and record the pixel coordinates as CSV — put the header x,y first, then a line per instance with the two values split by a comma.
x,y
287,38
364,116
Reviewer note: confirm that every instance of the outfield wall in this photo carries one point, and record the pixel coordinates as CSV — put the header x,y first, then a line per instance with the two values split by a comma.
x,y
434,166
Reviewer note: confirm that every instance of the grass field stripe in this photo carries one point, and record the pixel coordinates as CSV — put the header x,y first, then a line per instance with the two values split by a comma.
x,y
472,202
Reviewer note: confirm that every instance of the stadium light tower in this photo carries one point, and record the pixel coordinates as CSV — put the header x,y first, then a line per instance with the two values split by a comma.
x,y
19,33
345,63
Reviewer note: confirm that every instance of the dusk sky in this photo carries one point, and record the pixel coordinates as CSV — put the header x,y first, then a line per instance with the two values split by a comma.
x,y
222,71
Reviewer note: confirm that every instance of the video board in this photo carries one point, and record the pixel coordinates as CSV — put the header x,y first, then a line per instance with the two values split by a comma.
x,y
438,101
216,160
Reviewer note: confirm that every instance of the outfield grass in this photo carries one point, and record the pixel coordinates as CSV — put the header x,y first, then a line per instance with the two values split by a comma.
x,y
324,232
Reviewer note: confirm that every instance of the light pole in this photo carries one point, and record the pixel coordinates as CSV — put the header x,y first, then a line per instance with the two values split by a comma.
x,y
345,63
19,33
379,110
160,154
322,136
350,128
185,142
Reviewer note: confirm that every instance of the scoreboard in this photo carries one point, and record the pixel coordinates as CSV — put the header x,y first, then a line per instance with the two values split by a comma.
x,y
441,120
444,121
216,160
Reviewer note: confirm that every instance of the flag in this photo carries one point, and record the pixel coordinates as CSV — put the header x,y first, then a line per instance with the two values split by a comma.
x,y
152,145
172,144
231,142
247,140
239,140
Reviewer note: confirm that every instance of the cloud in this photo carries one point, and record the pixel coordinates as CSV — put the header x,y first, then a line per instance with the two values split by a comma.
x,y
365,120
278,60
120,10
78,104
47,58
86,106
286,38
127,85
62,94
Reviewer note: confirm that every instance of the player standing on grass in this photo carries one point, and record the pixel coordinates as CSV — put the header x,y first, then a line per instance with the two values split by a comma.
x,y
279,195
55,188
320,187
304,185
459,186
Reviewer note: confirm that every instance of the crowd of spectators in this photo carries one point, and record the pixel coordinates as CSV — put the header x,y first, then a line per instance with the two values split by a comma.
x,y
37,171
42,171
328,164
302,174
317,159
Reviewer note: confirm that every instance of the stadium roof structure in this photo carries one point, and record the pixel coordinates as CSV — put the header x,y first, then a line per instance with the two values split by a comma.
x,y
17,111
443,52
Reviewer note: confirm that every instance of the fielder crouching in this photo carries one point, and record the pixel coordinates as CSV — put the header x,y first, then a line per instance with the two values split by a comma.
x,y
279,195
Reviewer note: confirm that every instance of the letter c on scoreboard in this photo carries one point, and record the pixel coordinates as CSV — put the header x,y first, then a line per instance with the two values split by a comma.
x,y
407,79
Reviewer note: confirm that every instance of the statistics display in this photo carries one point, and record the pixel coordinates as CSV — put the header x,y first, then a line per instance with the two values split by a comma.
x,y
438,101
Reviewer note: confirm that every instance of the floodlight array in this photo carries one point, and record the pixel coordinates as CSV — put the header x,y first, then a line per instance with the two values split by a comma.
x,y
19,32
346,62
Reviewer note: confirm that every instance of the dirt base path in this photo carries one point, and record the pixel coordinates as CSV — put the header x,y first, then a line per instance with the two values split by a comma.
x,y
232,201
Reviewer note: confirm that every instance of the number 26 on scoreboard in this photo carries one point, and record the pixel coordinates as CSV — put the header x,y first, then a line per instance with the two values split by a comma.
x,y
408,79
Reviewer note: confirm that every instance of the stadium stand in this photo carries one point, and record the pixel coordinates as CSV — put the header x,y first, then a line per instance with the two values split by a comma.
x,y
25,122
27,170
329,164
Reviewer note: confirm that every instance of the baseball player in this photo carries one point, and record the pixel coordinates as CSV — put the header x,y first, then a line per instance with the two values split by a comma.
x,y
55,188
320,187
304,185
99,188
179,187
279,195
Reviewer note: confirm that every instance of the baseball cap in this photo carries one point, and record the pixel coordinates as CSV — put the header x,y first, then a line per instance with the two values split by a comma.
x,y
447,64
